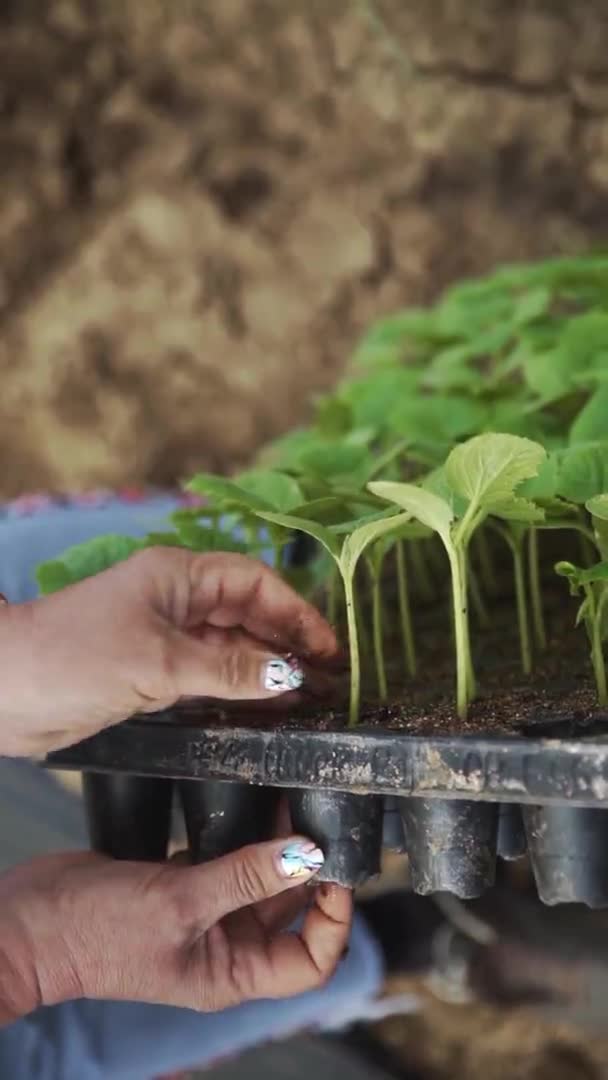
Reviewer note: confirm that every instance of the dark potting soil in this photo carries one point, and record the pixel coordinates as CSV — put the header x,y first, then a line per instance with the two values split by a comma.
x,y
559,697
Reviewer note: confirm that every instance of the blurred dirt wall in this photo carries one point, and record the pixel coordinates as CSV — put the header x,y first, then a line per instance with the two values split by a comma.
x,y
202,203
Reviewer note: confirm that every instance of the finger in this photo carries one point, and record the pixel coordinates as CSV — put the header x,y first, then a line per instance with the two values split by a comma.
x,y
299,962
281,911
230,590
232,666
251,875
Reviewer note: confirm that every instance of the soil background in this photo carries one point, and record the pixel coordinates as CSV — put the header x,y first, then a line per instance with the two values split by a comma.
x,y
204,202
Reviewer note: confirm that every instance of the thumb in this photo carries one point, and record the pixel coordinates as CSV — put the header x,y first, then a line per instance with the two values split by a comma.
x,y
253,874
231,665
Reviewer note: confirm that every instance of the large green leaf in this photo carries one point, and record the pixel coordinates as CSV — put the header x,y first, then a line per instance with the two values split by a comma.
x,y
487,469
426,507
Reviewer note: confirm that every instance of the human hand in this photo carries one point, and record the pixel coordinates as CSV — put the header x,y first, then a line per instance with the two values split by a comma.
x,y
202,937
164,624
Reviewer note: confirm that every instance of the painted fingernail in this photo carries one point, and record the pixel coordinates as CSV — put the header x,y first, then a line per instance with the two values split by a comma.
x,y
301,859
282,674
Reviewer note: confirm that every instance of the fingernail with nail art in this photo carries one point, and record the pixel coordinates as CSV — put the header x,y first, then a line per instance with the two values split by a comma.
x,y
282,674
301,859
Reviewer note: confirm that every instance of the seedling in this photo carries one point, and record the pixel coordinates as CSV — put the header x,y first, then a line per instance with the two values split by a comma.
x,y
481,477
593,583
346,554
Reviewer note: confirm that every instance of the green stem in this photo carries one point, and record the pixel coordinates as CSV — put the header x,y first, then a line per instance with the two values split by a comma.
x,y
464,570
332,598
353,645
460,631
421,571
538,615
516,545
575,526
477,600
363,636
486,563
587,550
522,607
597,652
407,630
378,636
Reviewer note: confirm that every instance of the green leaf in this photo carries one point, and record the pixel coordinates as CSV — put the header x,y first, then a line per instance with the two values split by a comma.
x,y
443,418
284,452
277,490
164,539
226,492
582,472
427,508
85,560
52,576
311,528
532,305
517,510
591,424
372,398
387,341
333,417
579,576
200,538
488,468
335,460
598,508
367,534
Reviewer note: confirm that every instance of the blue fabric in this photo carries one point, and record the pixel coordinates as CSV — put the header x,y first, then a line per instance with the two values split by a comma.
x,y
94,1040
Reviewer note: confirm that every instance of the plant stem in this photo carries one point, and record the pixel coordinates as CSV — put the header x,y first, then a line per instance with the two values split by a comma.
x,y
332,597
421,571
378,635
471,681
597,652
522,607
575,526
364,641
587,550
538,616
477,599
407,631
460,632
486,564
353,645
515,542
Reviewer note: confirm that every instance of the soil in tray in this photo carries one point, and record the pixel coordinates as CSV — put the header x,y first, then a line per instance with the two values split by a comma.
x,y
558,697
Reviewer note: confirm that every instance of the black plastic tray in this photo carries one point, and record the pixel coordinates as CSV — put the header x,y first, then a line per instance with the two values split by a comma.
x,y
453,803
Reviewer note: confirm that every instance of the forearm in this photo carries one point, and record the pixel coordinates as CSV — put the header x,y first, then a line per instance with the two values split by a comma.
x,y
19,993
21,681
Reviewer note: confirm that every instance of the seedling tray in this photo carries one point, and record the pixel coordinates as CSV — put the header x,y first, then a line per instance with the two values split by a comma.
x,y
454,802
